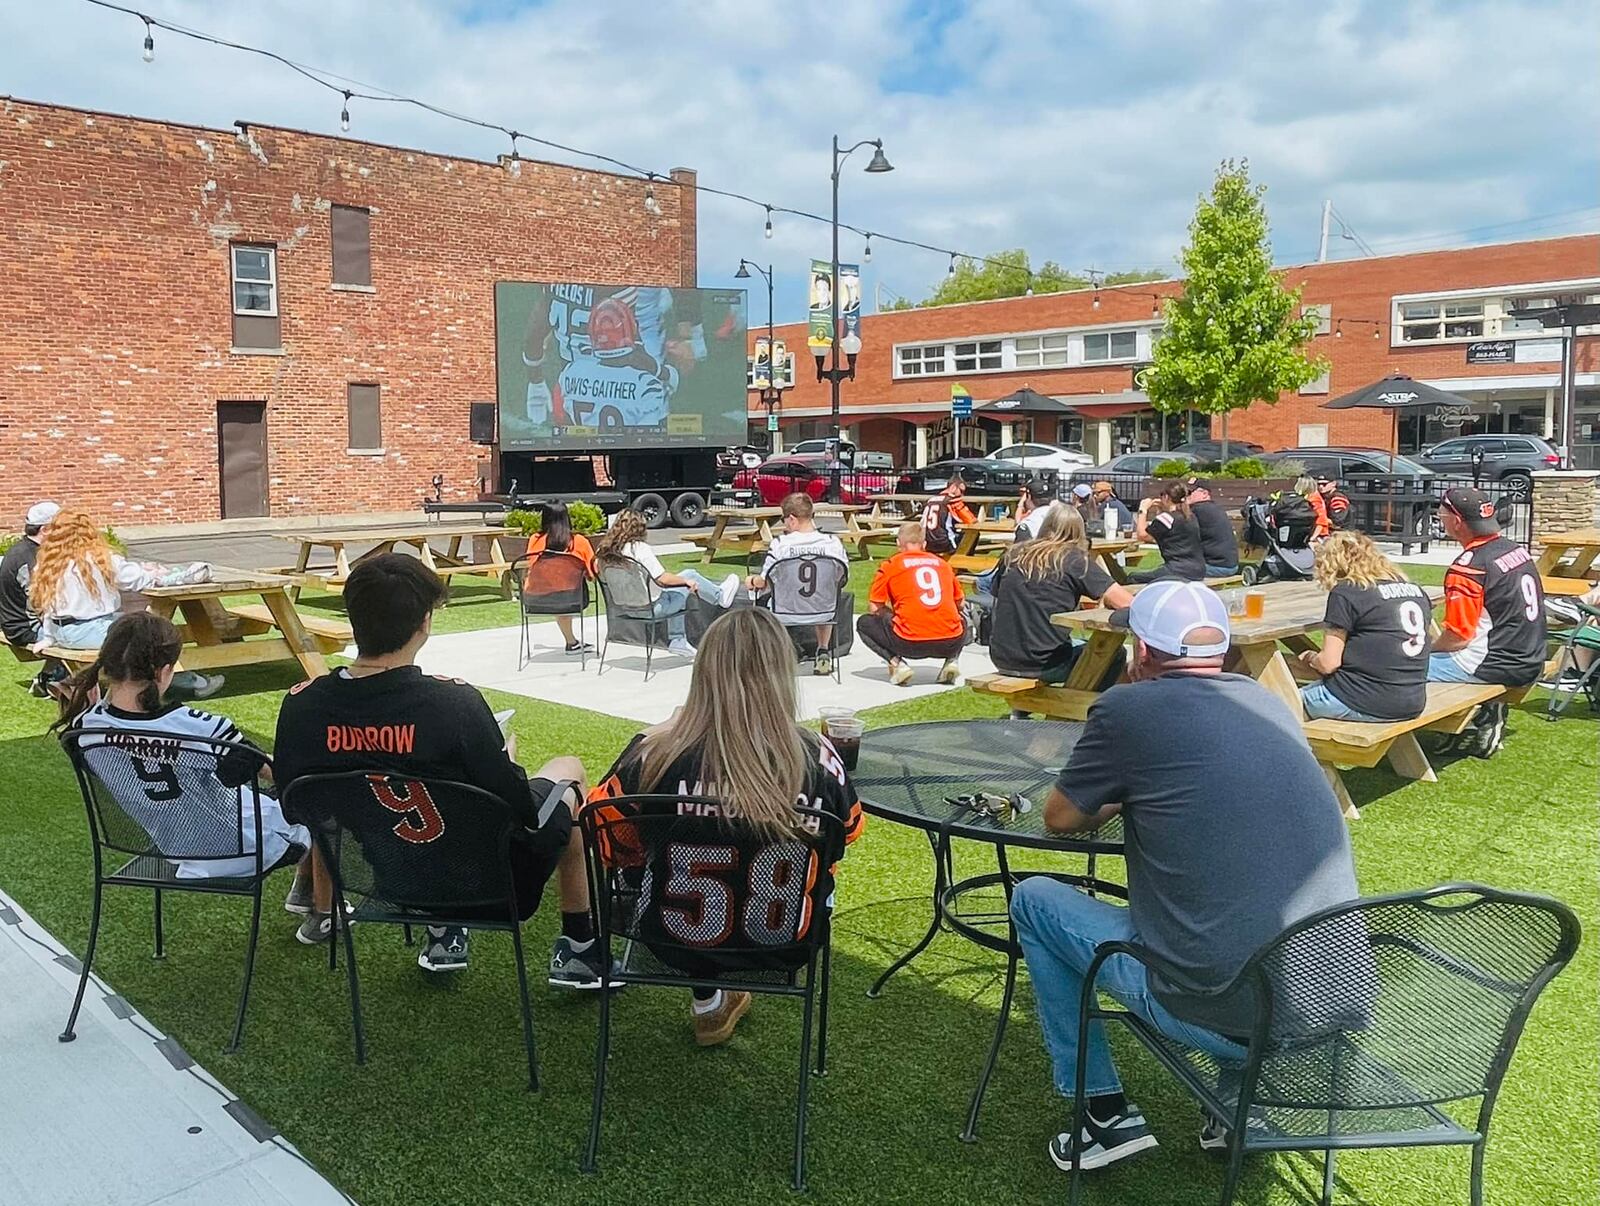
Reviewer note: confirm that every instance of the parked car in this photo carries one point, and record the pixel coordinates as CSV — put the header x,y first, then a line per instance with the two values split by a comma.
x,y
1210,451
1138,464
767,484
740,456
1044,456
1343,462
983,475
1512,459
865,458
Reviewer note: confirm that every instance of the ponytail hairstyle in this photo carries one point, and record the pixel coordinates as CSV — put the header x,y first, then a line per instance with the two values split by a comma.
x,y
139,646
1176,499
556,525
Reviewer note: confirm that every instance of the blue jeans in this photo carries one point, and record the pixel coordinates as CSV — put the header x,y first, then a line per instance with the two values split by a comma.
x,y
1221,571
1444,668
674,599
983,584
1323,704
1059,928
91,634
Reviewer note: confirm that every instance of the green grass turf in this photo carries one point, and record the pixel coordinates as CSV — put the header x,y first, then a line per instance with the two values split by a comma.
x,y
439,1113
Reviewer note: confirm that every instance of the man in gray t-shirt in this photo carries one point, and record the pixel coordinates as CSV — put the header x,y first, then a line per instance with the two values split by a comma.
x,y
1232,834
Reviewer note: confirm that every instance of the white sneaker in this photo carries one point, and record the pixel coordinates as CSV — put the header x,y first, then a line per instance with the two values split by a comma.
x,y
949,672
681,647
900,674
208,685
729,591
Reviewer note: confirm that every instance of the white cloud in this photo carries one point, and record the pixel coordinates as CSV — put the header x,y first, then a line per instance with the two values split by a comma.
x,y
1081,131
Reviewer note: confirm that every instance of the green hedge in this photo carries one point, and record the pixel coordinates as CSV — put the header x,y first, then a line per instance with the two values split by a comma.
x,y
8,539
587,519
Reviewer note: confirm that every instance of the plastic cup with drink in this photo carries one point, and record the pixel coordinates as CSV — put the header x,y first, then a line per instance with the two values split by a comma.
x,y
1255,604
843,728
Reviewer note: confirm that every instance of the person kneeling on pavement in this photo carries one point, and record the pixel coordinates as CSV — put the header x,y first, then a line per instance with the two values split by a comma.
x,y
450,733
1232,835
914,610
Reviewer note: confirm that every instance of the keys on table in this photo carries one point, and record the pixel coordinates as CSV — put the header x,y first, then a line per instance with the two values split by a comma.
x,y
1002,808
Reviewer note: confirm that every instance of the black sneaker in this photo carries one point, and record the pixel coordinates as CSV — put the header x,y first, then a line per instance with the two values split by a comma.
x,y
571,968
445,950
579,649
1489,730
1104,1143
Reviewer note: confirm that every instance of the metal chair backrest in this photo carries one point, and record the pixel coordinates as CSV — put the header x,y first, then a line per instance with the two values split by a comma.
x,y
157,793
805,589
1405,1000
428,845
553,583
704,893
626,586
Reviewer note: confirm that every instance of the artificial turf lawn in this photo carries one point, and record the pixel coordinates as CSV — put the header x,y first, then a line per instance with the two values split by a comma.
x,y
439,1114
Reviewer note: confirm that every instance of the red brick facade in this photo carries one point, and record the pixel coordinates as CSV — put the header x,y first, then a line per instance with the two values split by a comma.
x,y
115,311
1355,289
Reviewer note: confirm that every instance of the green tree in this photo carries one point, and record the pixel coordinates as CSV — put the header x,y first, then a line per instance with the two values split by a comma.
x,y
1235,335
1133,277
1003,274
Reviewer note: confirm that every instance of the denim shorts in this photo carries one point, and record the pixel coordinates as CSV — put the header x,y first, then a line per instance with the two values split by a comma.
x,y
1323,704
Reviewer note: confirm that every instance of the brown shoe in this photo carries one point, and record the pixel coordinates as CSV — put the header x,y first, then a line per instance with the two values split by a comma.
x,y
716,1027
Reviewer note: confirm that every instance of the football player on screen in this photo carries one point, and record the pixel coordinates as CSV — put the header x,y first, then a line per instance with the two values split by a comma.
x,y
620,384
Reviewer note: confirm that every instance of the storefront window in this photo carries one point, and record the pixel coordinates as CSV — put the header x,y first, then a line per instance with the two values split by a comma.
x,y
1586,441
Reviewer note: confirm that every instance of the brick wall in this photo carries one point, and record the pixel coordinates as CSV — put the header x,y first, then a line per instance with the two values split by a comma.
x,y
115,316
1356,289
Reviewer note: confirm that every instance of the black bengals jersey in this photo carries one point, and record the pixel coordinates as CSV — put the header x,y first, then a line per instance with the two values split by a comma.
x,y
718,897
1493,600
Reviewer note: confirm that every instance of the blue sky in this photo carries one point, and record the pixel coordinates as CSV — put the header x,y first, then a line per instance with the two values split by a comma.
x,y
1081,131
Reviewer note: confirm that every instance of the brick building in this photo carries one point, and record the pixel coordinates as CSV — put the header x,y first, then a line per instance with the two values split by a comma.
x,y
1415,314
199,323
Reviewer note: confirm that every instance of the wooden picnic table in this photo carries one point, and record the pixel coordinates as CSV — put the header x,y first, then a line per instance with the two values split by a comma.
x,y
447,564
749,529
1567,564
909,506
213,630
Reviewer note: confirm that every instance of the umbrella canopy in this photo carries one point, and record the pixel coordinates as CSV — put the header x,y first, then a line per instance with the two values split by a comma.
x,y
1396,392
1026,401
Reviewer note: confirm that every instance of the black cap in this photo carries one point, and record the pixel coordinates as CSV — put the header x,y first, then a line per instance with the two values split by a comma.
x,y
1473,507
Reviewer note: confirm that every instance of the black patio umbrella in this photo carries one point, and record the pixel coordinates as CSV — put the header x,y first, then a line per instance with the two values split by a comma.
x,y
1396,392
1026,401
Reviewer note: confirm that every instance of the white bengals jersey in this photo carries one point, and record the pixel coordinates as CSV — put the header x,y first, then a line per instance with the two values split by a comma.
x,y
569,316
188,797
613,394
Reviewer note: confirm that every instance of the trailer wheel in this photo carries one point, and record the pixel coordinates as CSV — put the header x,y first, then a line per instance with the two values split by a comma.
x,y
654,509
688,510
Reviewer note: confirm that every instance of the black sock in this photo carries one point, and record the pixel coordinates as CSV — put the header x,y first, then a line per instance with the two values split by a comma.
x,y
579,927
703,994
1103,1107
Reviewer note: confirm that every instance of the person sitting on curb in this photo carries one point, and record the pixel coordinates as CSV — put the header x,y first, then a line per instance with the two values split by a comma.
x,y
800,538
914,610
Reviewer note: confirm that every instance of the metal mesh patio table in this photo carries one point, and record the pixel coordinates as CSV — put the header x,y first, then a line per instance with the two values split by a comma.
x,y
905,775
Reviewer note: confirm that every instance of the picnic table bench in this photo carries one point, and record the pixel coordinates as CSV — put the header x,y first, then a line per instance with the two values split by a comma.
x,y
448,564
747,530
897,507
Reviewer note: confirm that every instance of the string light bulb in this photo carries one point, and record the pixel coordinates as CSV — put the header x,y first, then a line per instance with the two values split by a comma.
x,y
866,252
514,136
651,205
344,113
1374,330
149,40
1029,292
1096,303
1155,307
1338,330
768,231
952,271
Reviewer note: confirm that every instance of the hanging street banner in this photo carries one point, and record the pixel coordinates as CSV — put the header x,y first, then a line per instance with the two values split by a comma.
x,y
761,371
782,370
820,328
850,300
960,402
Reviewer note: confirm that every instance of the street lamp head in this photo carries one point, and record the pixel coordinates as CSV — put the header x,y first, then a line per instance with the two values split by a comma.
x,y
879,163
743,274
850,345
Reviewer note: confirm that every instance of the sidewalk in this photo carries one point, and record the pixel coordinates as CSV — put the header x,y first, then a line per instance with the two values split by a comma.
x,y
122,1116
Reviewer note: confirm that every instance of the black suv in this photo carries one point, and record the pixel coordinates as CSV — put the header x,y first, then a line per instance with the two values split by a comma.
x,y
983,476
1342,463
1512,459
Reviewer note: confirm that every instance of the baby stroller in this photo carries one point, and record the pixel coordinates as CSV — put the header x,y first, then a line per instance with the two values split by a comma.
x,y
1283,527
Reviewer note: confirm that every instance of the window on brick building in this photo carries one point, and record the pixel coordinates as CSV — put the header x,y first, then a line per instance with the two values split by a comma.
x,y
1041,351
971,357
1323,312
254,269
1110,345
365,419
920,361
351,228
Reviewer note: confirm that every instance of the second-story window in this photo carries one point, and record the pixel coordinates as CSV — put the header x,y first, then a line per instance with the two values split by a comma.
x,y
921,361
984,354
255,279
351,228
1110,345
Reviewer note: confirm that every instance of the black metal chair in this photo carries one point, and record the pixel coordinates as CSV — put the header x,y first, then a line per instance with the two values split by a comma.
x,y
154,801
416,852
626,587
1368,1019
1579,615
803,592
551,584
719,938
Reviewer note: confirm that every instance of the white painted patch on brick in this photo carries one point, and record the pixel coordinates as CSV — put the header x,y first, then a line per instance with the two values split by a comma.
x,y
206,149
30,368
50,142
295,203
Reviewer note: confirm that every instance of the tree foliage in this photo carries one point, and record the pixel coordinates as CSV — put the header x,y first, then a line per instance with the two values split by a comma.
x,y
1007,274
1235,335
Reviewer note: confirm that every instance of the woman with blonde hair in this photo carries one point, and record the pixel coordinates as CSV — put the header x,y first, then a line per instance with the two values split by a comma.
x,y
736,740
77,586
1037,579
1375,641
669,592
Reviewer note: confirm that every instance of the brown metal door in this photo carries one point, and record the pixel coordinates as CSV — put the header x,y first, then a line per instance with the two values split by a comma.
x,y
242,458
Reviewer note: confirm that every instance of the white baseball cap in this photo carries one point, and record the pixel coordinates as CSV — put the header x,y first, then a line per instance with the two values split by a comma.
x,y
1163,615
1082,490
42,513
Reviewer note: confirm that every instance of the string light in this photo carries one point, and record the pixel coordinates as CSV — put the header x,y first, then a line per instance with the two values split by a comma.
x,y
768,231
1155,307
1338,329
651,205
344,113
1374,330
514,137
866,252
1030,289
1096,303
149,41
952,271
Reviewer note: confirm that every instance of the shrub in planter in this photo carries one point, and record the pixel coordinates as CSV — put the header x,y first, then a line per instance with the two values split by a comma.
x,y
1244,466
1172,468
7,539
586,518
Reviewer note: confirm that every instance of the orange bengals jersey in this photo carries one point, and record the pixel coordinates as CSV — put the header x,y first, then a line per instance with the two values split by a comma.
x,y
923,592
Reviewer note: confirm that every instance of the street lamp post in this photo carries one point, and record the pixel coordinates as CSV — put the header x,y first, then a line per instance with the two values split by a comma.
x,y
772,395
834,374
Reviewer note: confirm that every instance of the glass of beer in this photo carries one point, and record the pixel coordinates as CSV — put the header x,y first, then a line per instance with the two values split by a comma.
x,y
845,734
1255,604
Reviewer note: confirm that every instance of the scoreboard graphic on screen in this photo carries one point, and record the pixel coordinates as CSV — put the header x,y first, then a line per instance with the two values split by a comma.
x,y
586,366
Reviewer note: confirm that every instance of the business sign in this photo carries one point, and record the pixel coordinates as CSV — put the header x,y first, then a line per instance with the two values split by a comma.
x,y
1492,351
960,402
1452,418
1398,397
584,367
1538,351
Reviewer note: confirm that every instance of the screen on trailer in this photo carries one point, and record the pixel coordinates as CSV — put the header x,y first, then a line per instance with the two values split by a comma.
x,y
618,366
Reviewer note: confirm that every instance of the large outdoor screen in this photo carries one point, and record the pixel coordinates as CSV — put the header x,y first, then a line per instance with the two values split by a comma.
x,y
604,367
